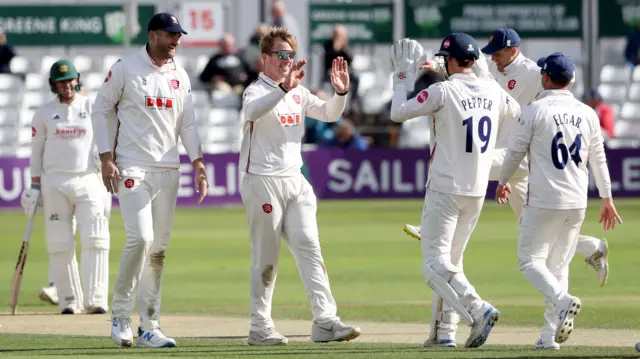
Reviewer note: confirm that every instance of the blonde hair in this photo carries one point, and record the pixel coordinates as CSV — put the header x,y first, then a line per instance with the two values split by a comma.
x,y
274,33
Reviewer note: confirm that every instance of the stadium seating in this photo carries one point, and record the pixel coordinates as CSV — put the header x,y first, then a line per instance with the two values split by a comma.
x,y
620,88
217,113
22,92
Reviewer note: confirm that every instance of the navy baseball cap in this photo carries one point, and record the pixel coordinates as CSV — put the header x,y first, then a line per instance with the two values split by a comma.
x,y
459,46
558,66
593,94
501,38
165,21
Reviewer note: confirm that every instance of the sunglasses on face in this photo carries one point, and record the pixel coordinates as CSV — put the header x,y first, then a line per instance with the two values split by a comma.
x,y
284,55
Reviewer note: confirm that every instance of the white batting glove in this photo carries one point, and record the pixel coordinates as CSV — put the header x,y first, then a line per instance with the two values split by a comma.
x,y
406,55
31,200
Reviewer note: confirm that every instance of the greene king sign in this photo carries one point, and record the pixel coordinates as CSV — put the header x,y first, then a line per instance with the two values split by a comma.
x,y
42,25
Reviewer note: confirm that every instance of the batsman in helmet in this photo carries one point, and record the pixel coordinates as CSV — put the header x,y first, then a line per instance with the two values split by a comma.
x,y
65,169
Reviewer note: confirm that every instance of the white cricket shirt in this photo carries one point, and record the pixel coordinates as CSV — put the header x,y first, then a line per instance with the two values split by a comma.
x,y
154,108
466,112
62,139
522,80
560,135
273,125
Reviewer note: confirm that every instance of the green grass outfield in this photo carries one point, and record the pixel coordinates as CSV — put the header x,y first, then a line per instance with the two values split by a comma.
x,y
375,273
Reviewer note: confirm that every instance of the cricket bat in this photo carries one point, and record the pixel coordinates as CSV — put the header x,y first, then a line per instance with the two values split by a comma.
x,y
22,260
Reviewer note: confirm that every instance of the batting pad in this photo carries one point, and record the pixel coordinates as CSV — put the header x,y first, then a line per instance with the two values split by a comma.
x,y
95,234
449,296
64,267
95,276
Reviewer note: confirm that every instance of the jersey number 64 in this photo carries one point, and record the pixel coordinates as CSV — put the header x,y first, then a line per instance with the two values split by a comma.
x,y
560,153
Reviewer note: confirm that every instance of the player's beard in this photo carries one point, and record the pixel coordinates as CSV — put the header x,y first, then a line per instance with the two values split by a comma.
x,y
170,52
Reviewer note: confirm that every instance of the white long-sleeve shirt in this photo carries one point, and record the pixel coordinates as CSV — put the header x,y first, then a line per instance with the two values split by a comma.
x,y
560,135
154,108
273,125
522,80
466,112
62,139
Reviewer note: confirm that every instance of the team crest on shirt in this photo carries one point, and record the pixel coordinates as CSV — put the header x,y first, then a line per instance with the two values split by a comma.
x,y
423,96
129,182
511,84
33,132
175,84
267,208
296,98
290,119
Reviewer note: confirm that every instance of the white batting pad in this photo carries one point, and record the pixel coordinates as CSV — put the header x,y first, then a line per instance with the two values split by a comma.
x,y
95,276
442,287
64,267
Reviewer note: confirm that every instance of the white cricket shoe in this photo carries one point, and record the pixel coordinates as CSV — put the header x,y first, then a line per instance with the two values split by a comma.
x,y
334,331
413,231
439,343
49,294
547,345
568,309
154,339
121,333
267,336
482,326
598,261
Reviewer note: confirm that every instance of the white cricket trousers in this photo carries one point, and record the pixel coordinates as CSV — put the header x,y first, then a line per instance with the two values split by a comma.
x,y
518,198
81,195
546,244
147,203
284,206
450,220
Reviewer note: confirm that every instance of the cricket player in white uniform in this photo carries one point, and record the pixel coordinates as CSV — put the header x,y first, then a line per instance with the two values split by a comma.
x,y
277,198
65,167
520,77
561,135
140,162
465,112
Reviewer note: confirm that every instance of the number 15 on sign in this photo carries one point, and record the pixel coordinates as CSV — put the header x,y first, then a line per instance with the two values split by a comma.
x,y
203,20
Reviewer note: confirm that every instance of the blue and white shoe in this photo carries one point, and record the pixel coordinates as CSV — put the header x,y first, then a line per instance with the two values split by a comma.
x,y
440,343
154,339
121,332
482,327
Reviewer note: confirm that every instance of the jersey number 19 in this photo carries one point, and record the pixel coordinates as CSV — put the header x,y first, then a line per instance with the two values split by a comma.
x,y
560,153
484,133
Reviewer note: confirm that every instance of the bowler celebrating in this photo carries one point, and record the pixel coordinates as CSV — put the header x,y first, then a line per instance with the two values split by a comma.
x,y
277,198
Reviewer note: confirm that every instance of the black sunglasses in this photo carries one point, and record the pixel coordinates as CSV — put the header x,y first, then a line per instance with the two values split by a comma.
x,y
284,55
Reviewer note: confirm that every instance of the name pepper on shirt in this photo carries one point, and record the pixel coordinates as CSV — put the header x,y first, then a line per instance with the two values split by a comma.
x,y
476,102
567,119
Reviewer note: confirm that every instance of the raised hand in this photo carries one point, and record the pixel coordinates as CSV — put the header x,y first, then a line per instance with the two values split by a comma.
x,y
406,56
295,75
340,75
